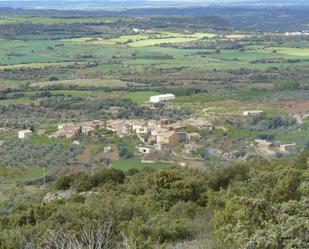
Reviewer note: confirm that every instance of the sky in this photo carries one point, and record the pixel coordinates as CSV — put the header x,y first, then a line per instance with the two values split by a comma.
x,y
158,1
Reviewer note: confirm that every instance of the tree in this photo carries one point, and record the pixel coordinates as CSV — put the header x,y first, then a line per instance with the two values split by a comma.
x,y
280,85
287,187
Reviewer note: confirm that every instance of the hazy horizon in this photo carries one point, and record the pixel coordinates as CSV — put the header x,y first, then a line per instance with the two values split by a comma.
x,y
125,4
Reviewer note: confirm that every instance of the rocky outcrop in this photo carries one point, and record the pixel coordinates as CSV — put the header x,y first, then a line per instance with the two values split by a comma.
x,y
59,195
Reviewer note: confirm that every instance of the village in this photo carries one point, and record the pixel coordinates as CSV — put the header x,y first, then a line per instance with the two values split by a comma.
x,y
185,142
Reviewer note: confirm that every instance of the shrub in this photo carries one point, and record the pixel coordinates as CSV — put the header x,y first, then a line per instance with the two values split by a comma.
x,y
280,85
108,175
63,183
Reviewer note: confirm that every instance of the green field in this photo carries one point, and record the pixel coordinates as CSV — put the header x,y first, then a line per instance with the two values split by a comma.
x,y
141,50
304,52
136,164
144,40
51,20
16,175
11,182
140,97
36,65
88,82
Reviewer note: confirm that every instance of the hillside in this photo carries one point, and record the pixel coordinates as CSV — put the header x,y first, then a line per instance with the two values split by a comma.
x,y
261,205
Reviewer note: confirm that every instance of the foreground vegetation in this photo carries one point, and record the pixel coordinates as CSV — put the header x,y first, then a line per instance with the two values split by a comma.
x,y
254,205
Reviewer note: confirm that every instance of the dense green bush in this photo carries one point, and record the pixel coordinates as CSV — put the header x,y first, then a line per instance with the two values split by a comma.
x,y
280,85
254,205
84,182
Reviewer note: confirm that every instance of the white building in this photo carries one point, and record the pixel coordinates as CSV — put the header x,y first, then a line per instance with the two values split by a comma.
x,y
161,98
158,130
141,130
107,149
139,126
301,33
63,126
24,134
76,142
144,149
87,129
252,113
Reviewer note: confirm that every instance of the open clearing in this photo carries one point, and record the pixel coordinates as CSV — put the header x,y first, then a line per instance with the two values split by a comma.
x,y
237,36
15,175
38,65
51,20
144,40
153,42
290,51
136,164
140,96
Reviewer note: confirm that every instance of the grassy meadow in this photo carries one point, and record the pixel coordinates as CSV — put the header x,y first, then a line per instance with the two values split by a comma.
x,y
136,164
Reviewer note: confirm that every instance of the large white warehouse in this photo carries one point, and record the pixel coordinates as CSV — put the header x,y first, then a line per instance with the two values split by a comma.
x,y
161,98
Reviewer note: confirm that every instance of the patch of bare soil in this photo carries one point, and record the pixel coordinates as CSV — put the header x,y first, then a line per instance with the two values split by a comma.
x,y
88,153
4,85
114,155
195,164
294,107
84,161
67,170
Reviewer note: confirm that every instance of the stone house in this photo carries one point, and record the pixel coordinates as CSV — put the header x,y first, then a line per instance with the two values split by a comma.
x,y
175,126
68,131
119,126
287,147
199,123
87,129
144,149
194,136
24,134
139,126
167,140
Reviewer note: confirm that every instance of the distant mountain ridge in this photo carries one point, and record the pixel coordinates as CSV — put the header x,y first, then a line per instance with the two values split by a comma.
x,y
127,4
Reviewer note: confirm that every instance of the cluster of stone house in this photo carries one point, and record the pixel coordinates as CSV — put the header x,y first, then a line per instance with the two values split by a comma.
x,y
73,130
126,126
68,130
264,145
161,131
159,134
